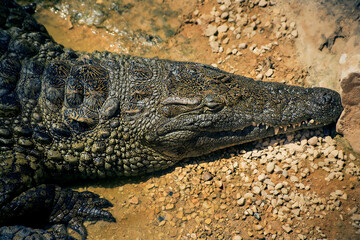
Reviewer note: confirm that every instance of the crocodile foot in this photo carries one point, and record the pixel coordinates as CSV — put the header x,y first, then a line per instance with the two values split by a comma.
x,y
44,208
56,232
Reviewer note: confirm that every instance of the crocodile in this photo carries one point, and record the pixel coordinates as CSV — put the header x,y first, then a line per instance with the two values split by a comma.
x,y
67,116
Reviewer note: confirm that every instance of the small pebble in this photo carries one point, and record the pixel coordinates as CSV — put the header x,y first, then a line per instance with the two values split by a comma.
x,y
134,201
242,45
222,28
269,72
262,3
294,33
207,176
270,167
210,30
287,229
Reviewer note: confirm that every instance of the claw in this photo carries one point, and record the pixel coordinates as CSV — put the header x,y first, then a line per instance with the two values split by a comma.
x,y
102,202
78,226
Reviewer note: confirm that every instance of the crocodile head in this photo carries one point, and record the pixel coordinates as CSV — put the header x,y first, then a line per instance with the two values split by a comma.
x,y
206,109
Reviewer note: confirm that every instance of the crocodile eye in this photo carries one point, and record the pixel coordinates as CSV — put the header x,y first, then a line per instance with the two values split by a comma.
x,y
214,101
173,106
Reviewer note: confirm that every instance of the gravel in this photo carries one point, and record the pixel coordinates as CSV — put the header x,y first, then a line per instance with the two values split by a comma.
x,y
241,188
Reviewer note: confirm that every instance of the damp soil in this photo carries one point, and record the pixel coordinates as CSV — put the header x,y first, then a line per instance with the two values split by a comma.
x,y
153,207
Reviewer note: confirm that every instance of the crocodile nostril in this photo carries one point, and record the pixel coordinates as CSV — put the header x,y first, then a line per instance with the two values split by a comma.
x,y
213,101
326,98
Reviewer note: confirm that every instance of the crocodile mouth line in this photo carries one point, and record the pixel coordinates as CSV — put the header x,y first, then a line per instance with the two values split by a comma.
x,y
262,127
290,127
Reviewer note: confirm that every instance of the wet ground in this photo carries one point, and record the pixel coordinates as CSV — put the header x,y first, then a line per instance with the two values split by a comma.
x,y
290,187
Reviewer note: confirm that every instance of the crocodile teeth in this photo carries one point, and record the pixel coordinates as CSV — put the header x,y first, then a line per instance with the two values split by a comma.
x,y
254,124
312,121
276,130
266,127
293,125
285,128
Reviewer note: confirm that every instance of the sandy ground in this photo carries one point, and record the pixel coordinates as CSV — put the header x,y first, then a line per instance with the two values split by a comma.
x,y
282,42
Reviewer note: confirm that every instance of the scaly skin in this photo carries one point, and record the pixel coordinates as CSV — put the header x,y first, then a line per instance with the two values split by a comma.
x,y
67,115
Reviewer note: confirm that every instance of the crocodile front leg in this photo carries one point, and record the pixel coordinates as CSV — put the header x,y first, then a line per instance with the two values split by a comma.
x,y
56,232
47,205
42,207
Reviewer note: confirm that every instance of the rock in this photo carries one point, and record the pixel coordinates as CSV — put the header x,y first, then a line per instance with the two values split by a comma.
x,y
270,167
208,221
353,210
207,176
228,51
237,237
223,206
329,140
341,155
328,150
269,72
294,178
349,122
248,196
224,15
313,141
261,177
223,7
259,76
134,200
286,228
352,157
210,30
278,186
214,46
256,190
334,153
294,148
296,212
355,217
242,45
252,47
263,3
241,201
331,176
169,206
294,33
285,173
222,28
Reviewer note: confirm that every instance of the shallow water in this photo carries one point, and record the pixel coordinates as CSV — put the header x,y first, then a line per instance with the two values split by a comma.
x,y
131,27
